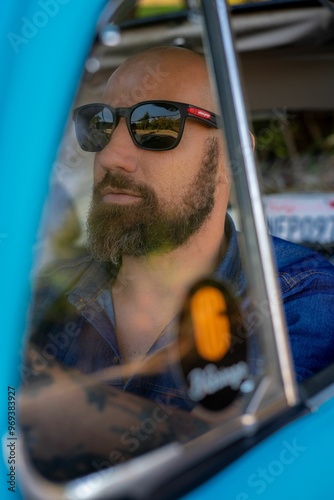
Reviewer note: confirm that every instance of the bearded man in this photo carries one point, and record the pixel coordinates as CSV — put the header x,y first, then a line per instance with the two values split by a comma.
x,y
157,223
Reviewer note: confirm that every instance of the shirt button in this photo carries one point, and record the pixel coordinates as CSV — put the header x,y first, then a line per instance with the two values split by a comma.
x,y
115,360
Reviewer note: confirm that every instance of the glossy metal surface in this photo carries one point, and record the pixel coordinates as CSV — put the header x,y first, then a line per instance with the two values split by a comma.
x,y
256,251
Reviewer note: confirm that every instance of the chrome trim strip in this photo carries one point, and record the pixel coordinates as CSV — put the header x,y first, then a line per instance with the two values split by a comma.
x,y
257,254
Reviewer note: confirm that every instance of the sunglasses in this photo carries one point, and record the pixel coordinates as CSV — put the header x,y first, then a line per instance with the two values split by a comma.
x,y
153,125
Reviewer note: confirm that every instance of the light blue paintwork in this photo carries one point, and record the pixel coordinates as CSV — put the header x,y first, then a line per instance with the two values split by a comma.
x,y
39,75
294,463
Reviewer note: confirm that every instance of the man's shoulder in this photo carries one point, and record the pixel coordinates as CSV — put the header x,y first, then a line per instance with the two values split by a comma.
x,y
56,280
297,264
290,254
307,285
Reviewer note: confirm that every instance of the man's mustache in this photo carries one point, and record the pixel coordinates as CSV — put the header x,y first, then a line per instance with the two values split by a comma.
x,y
120,181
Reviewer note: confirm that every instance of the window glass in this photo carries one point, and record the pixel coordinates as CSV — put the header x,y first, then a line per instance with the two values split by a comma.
x,y
295,151
111,374
102,387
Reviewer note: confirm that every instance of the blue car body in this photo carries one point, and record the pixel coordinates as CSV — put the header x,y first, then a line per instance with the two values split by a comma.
x,y
42,53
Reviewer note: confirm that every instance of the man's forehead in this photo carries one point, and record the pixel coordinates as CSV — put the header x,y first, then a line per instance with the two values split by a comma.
x,y
172,56
138,83
158,74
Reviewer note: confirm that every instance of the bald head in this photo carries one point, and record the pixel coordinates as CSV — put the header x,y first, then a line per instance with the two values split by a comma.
x,y
169,73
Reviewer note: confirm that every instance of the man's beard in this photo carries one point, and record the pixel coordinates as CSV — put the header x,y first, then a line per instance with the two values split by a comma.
x,y
150,225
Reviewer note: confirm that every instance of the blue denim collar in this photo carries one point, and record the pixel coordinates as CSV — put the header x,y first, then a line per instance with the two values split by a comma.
x,y
97,279
91,294
230,270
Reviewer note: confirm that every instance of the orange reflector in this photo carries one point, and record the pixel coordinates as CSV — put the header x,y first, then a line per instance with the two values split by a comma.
x,y
211,323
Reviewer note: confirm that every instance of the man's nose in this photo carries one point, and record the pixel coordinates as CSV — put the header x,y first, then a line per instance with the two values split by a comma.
x,y
120,152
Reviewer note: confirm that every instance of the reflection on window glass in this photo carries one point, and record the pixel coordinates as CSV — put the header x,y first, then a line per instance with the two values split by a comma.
x,y
109,372
128,349
296,156
295,150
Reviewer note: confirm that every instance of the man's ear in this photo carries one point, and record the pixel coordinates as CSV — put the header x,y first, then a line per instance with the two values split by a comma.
x,y
252,138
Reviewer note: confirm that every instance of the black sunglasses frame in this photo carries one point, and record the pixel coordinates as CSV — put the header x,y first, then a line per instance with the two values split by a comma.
x,y
186,111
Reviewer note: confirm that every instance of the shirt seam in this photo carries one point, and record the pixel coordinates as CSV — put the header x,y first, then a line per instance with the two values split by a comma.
x,y
292,281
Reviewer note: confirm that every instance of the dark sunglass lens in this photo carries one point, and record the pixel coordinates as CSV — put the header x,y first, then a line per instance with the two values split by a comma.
x,y
94,126
156,126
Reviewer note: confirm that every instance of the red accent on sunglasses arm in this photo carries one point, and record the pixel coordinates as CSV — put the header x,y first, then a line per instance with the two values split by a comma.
x,y
199,112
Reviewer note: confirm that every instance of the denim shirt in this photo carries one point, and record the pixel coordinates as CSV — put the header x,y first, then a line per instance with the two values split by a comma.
x,y
73,318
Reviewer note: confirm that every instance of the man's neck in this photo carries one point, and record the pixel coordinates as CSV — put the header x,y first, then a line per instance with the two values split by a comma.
x,y
169,276
149,291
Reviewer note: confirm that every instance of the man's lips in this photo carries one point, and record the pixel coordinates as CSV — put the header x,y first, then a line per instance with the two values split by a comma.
x,y
117,195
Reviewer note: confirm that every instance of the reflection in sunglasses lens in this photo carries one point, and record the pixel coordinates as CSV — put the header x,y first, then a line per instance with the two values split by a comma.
x,y
95,128
156,126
